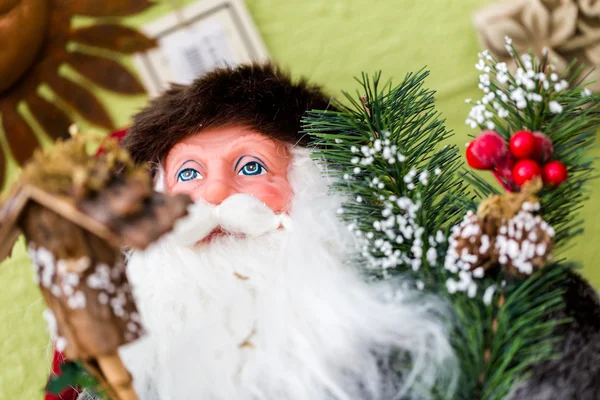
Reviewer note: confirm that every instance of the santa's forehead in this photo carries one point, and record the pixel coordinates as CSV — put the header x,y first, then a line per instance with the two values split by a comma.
x,y
215,143
227,135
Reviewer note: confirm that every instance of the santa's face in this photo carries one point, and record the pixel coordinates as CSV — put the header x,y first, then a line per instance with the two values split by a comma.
x,y
216,164
271,310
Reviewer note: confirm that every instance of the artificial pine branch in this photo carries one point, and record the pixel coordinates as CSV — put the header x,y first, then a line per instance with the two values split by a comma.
x,y
572,130
406,193
420,186
537,99
385,147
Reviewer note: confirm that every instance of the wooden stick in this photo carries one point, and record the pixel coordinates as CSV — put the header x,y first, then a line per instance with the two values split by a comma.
x,y
117,377
92,368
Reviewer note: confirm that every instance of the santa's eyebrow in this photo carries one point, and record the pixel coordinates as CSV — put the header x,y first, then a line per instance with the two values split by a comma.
x,y
244,156
184,163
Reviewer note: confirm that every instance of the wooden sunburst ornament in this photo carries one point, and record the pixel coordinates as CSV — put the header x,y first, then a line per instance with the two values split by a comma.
x,y
38,32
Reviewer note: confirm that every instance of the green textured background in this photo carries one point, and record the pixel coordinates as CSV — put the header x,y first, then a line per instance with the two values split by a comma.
x,y
329,41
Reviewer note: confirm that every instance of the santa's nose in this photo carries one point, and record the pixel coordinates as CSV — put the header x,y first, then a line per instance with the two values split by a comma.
x,y
216,191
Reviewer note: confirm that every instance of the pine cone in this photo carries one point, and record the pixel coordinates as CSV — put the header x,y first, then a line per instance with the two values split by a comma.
x,y
524,243
472,244
520,245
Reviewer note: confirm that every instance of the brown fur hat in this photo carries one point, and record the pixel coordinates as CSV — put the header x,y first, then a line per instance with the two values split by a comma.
x,y
259,96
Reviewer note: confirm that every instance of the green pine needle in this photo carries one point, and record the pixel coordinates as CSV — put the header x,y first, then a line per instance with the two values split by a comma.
x,y
74,375
352,141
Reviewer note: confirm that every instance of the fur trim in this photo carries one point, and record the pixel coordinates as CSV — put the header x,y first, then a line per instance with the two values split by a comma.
x,y
261,97
575,375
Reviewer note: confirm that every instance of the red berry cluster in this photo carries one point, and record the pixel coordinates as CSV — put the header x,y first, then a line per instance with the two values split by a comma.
x,y
524,158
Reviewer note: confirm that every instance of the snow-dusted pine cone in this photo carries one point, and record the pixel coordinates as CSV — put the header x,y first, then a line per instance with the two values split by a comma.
x,y
519,245
524,243
472,245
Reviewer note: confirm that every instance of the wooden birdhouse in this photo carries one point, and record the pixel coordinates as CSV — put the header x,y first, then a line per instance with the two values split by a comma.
x,y
78,215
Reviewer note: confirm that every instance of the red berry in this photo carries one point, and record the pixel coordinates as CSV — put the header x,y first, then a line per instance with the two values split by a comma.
x,y
555,173
487,151
525,170
473,159
522,144
543,147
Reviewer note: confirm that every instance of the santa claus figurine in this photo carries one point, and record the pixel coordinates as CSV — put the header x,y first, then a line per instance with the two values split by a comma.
x,y
253,295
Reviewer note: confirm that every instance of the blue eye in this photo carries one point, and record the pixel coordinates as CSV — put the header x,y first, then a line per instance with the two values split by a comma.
x,y
252,168
188,174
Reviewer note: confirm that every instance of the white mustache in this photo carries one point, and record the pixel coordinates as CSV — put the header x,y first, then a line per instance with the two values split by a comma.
x,y
239,213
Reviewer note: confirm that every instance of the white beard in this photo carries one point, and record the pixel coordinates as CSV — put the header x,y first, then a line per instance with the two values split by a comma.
x,y
279,315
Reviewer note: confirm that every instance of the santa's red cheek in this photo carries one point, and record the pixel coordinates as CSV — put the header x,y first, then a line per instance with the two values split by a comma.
x,y
277,203
277,198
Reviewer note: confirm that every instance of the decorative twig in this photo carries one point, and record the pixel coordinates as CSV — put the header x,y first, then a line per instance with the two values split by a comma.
x,y
501,181
368,111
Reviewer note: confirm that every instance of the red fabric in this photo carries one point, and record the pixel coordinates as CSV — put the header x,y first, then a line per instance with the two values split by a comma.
x,y
119,135
68,394
58,358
